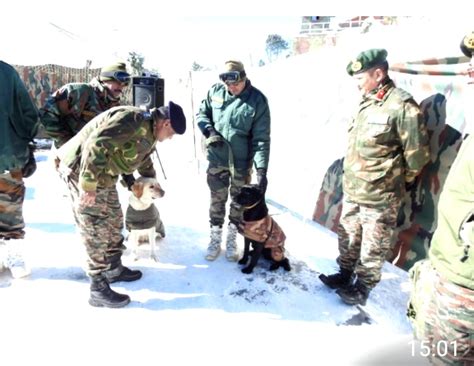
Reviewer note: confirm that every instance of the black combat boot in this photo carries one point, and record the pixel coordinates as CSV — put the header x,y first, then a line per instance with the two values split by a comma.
x,y
103,296
342,279
122,273
356,294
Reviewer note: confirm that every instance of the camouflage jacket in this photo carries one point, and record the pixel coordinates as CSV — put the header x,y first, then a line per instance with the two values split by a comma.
x,y
69,108
243,120
388,146
118,141
18,120
266,231
452,247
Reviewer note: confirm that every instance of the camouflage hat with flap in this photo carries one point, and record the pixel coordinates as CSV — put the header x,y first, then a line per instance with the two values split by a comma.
x,y
366,60
467,45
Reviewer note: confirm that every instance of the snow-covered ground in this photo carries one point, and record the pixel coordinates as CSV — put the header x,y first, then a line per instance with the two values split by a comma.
x,y
185,310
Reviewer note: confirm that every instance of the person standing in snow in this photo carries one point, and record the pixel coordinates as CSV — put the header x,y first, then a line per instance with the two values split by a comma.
x,y
118,141
18,126
235,120
441,305
388,147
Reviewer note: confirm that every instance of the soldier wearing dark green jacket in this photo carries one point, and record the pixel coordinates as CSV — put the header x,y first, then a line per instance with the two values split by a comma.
x,y
69,108
235,119
18,126
388,147
118,141
441,305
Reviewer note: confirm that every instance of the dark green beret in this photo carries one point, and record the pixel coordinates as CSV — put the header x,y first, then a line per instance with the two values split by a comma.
x,y
366,60
467,45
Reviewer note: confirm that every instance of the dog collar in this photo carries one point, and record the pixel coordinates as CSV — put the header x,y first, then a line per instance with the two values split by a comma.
x,y
252,206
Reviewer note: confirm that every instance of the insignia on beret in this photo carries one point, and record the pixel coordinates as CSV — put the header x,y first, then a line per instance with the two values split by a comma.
x,y
356,66
467,45
469,41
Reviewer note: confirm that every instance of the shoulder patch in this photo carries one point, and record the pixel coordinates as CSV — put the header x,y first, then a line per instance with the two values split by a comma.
x,y
217,99
147,115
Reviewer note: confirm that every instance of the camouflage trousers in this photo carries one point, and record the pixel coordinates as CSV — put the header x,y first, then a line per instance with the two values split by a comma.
x,y
220,183
12,195
365,235
442,315
100,227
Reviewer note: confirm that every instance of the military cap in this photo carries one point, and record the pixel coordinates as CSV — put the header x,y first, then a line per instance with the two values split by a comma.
x,y
233,65
467,45
175,114
366,60
233,71
116,71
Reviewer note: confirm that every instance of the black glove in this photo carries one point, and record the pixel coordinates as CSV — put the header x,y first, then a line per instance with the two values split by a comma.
x,y
213,138
30,166
262,180
128,179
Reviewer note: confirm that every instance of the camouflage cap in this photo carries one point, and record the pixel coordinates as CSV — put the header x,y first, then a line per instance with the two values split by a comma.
x,y
366,60
233,65
467,45
108,73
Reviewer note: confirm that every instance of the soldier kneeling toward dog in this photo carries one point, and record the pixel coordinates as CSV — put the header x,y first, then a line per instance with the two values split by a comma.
x,y
118,141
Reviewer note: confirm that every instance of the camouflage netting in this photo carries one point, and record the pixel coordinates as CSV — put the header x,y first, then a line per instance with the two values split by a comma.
x,y
439,90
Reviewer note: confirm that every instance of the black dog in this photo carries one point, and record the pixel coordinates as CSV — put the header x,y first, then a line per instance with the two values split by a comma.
x,y
260,230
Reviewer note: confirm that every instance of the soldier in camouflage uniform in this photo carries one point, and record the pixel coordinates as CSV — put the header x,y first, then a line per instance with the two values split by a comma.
x,y
18,126
441,305
118,141
235,120
69,108
388,147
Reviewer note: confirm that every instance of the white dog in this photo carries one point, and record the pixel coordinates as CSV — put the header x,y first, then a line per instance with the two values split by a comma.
x,y
142,218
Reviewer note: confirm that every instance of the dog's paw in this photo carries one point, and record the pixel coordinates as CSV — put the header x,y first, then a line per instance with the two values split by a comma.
x,y
247,270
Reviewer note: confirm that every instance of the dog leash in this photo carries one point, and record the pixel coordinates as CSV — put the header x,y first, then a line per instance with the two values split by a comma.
x,y
159,161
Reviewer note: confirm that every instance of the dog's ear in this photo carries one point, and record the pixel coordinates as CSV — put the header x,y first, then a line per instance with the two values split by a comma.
x,y
137,189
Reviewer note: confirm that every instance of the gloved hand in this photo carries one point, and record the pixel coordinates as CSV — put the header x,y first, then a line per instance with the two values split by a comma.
x,y
262,180
213,138
128,179
30,166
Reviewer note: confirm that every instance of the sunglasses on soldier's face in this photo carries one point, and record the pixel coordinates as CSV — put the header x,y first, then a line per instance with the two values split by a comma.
x,y
121,76
231,77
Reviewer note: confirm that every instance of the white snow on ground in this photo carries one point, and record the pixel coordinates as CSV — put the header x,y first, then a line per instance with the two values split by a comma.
x,y
186,310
